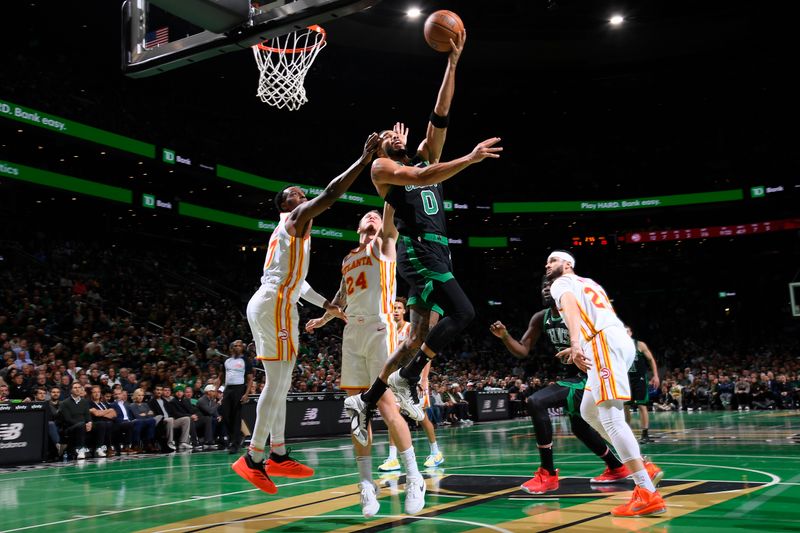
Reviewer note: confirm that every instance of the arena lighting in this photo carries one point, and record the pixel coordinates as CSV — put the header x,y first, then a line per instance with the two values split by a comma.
x,y
616,20
413,12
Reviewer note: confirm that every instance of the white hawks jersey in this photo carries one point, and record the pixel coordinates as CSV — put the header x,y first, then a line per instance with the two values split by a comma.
x,y
370,282
596,310
286,265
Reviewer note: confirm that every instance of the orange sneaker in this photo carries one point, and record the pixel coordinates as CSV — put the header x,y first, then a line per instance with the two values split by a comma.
x,y
612,475
655,473
542,482
285,466
254,473
643,503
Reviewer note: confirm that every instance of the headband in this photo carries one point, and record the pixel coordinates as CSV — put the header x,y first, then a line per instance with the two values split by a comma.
x,y
563,255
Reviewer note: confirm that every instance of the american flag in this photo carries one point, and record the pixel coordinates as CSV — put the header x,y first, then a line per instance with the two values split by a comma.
x,y
154,38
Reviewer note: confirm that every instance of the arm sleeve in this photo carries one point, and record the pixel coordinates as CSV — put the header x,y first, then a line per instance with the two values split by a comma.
x,y
311,296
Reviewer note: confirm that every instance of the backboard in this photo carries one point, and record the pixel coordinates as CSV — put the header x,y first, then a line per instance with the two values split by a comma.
x,y
162,35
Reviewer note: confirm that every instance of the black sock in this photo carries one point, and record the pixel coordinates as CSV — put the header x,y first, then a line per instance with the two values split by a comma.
x,y
644,433
611,459
413,369
375,392
546,455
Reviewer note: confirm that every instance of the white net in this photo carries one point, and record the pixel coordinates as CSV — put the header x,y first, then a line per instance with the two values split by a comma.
x,y
283,63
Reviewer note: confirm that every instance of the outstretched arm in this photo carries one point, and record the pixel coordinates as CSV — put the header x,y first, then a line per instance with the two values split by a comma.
x,y
431,147
523,347
303,213
388,172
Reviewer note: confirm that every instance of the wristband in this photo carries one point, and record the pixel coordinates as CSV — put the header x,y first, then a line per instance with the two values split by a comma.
x,y
439,121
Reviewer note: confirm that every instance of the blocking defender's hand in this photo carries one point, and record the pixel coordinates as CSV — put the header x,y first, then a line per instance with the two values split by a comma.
x,y
401,130
486,149
370,147
457,46
498,329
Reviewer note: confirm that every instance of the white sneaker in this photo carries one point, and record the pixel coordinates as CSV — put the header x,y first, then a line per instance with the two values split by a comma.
x,y
406,396
369,499
81,453
99,452
359,417
184,446
171,446
415,494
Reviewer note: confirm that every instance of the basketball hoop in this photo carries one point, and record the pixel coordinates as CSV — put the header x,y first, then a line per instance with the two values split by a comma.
x,y
283,63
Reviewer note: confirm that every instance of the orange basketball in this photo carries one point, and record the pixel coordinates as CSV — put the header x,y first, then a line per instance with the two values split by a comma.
x,y
440,27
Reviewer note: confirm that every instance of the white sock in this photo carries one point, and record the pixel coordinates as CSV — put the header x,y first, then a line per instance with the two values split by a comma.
x,y
365,467
256,455
392,453
410,460
434,448
642,479
279,449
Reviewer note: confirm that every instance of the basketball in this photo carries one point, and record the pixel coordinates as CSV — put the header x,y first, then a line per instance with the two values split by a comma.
x,y
440,27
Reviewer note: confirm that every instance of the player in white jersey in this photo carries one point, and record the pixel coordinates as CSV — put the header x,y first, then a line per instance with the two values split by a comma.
x,y
272,315
600,346
436,457
367,292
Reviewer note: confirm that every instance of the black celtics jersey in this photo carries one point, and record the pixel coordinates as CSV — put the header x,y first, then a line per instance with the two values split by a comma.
x,y
640,364
418,210
558,334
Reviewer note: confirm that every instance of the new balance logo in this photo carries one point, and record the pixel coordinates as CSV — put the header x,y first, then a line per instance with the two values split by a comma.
x,y
311,413
11,431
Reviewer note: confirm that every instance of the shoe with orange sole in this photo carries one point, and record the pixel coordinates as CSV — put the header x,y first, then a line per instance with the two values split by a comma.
x,y
285,466
254,473
542,481
642,503
612,475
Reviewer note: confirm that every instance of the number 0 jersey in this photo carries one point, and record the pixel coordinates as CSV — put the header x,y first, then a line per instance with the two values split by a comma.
x,y
370,282
596,310
418,209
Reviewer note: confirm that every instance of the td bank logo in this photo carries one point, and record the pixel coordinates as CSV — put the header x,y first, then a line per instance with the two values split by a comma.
x,y
168,156
758,192
149,201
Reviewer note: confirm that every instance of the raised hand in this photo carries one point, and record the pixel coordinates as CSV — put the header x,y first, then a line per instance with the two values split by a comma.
x,y
457,46
402,132
486,149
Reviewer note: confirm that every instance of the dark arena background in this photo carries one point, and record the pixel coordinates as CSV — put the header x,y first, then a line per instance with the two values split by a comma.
x,y
136,207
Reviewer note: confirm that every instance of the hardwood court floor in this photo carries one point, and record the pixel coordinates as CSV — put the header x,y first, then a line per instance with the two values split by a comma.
x,y
726,471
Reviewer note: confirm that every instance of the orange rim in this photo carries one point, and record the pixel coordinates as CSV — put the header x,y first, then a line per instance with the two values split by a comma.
x,y
315,27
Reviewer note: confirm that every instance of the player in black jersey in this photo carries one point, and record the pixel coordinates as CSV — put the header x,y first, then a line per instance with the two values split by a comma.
x,y
412,185
567,393
640,395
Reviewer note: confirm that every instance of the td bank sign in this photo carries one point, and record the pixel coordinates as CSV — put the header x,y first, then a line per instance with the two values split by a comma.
x,y
170,157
